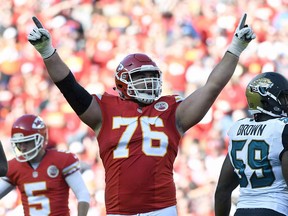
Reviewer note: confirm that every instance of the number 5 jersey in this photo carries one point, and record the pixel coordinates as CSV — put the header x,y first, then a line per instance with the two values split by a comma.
x,y
44,190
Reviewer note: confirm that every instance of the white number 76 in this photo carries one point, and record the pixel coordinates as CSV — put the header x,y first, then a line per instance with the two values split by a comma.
x,y
122,150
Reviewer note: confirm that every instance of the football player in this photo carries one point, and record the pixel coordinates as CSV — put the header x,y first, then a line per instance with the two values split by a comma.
x,y
3,161
42,176
139,131
257,158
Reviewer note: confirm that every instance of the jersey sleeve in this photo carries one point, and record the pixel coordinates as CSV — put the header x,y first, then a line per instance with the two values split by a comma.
x,y
71,165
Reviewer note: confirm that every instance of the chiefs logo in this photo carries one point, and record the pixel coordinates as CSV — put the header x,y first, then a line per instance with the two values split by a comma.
x,y
52,171
120,68
161,106
38,123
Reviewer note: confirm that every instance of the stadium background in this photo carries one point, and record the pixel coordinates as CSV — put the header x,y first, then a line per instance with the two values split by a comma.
x,y
185,37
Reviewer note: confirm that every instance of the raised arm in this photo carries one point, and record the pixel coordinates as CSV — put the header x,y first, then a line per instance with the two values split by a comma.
x,y
196,105
3,162
82,102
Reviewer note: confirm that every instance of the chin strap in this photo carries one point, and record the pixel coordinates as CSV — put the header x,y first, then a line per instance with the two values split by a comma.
x,y
262,111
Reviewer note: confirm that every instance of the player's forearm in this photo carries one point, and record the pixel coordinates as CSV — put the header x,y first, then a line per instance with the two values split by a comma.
x,y
222,206
57,69
205,95
222,73
83,208
223,193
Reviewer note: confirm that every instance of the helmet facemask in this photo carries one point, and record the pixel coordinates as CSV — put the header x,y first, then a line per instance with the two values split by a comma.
x,y
20,156
138,78
144,86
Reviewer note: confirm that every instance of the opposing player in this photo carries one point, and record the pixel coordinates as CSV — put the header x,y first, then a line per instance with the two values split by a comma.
x,y
3,162
257,159
139,131
42,176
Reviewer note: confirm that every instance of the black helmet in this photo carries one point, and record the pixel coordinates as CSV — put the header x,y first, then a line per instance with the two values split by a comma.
x,y
268,93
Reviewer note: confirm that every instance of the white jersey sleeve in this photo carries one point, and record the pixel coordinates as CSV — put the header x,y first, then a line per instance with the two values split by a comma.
x,y
76,183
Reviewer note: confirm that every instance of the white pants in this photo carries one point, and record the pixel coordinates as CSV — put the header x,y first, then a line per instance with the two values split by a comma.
x,y
171,211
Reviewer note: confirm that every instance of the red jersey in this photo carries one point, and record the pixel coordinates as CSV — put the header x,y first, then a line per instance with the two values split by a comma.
x,y
138,147
44,190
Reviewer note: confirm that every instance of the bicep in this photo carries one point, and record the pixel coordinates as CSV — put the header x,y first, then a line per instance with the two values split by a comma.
x,y
228,179
93,115
195,107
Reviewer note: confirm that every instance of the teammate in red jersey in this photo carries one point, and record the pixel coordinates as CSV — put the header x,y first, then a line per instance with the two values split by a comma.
x,y
139,132
42,176
3,161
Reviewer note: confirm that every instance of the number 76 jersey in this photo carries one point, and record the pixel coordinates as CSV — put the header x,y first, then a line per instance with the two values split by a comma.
x,y
138,147
255,150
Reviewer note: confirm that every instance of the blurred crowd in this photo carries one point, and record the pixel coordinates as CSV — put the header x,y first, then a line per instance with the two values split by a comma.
x,y
186,38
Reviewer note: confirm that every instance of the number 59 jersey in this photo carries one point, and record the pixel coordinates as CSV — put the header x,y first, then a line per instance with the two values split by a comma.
x,y
255,150
138,147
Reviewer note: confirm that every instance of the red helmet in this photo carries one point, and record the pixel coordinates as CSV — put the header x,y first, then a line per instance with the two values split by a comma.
x,y
138,77
28,128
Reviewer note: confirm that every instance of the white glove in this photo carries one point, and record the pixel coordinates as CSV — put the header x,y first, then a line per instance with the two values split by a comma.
x,y
40,38
243,35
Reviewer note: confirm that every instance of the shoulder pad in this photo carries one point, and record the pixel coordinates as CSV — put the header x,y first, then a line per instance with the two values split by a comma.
x,y
283,119
178,98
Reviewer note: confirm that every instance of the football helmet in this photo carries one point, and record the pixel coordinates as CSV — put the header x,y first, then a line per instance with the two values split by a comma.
x,y
28,128
138,77
268,93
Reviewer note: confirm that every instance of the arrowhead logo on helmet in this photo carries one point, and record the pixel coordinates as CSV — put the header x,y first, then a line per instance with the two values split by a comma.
x,y
25,129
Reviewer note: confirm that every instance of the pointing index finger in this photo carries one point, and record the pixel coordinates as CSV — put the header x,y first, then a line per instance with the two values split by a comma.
x,y
242,21
37,22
